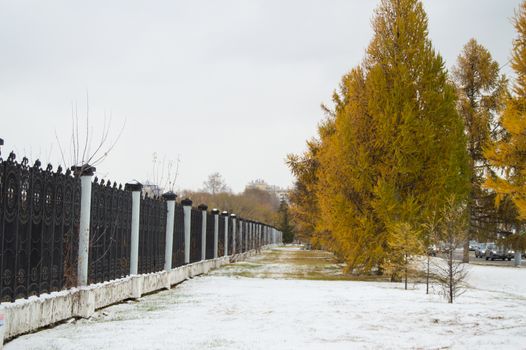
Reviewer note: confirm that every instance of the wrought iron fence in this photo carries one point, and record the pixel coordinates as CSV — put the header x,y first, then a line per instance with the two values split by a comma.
x,y
196,234
210,226
110,225
239,239
152,234
230,234
178,239
221,236
39,231
39,211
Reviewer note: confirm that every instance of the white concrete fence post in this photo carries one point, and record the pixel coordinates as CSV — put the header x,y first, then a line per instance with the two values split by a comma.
x,y
233,216
187,209
225,215
135,188
86,173
169,197
215,212
203,208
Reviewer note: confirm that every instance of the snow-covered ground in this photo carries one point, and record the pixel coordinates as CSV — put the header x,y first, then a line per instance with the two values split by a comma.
x,y
266,304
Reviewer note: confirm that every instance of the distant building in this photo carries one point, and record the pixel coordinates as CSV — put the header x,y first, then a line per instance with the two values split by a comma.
x,y
259,184
151,189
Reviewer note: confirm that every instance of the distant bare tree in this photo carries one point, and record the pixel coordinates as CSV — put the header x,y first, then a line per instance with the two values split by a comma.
x,y
164,175
215,184
430,235
450,273
85,149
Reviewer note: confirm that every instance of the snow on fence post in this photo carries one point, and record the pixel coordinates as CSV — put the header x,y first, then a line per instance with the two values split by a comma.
x,y
86,173
233,216
225,215
187,208
135,188
169,197
203,208
216,230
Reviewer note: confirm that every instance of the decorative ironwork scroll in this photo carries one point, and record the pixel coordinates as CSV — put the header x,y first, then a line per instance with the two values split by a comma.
x,y
110,227
39,211
210,224
221,237
196,235
152,234
178,239
230,235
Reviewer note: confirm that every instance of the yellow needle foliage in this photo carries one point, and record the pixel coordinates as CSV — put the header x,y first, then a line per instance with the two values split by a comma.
x,y
397,149
508,154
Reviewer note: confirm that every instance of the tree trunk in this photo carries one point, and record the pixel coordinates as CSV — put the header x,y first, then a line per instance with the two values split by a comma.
x,y
451,282
465,257
405,272
427,274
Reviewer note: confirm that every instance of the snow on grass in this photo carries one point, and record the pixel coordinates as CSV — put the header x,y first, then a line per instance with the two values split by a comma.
x,y
234,308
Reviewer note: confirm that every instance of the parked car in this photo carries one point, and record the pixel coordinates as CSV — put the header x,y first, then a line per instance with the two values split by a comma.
x,y
494,251
473,245
432,250
480,251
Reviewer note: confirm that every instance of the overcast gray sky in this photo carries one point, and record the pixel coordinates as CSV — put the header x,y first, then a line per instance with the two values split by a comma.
x,y
231,86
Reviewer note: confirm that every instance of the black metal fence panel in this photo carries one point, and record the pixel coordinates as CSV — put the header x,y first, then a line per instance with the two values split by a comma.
x,y
210,224
196,225
110,231
239,246
39,229
38,223
245,236
152,234
178,239
221,237
230,235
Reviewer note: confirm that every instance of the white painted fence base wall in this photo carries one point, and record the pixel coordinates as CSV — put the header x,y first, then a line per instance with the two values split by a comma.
x,y
27,315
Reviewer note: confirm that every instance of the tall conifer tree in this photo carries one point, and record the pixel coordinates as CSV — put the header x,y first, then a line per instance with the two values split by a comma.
x,y
508,154
481,91
398,149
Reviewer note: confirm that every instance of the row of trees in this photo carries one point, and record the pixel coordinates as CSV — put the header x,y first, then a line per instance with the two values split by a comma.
x,y
408,144
252,203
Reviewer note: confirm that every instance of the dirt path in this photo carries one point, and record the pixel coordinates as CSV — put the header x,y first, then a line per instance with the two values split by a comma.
x,y
288,263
